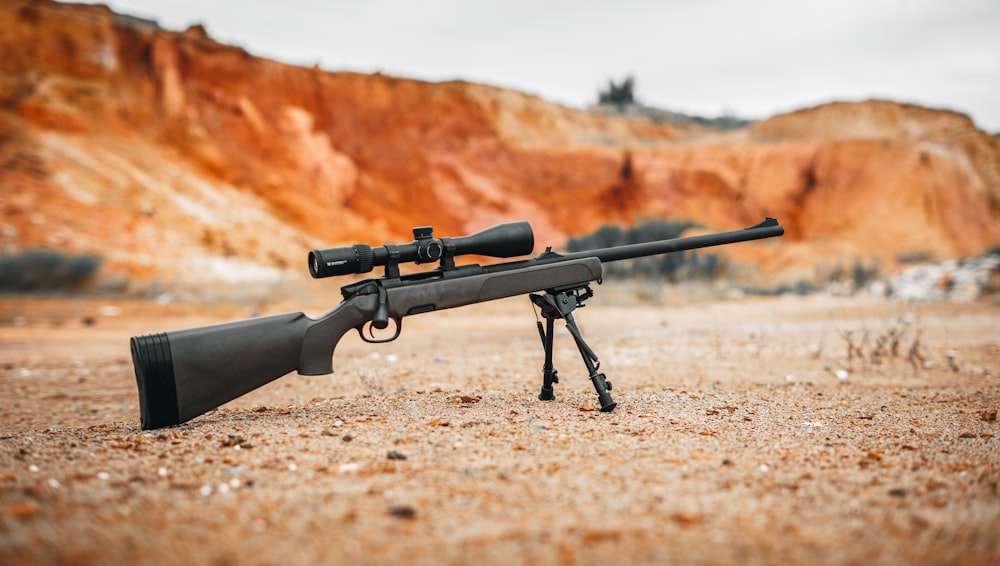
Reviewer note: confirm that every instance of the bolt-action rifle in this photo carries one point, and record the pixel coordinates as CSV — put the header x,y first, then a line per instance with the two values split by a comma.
x,y
184,373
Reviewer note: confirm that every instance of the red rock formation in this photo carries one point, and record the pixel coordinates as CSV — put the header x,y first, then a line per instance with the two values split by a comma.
x,y
158,149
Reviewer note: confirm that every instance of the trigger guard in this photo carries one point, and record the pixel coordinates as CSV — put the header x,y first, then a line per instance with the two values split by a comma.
x,y
367,333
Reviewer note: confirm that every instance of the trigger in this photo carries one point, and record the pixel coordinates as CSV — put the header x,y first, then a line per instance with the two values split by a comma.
x,y
367,332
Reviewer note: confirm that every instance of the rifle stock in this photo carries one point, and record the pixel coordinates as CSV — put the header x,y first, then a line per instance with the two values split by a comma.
x,y
184,373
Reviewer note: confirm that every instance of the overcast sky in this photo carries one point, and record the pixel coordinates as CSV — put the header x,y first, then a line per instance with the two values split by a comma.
x,y
750,58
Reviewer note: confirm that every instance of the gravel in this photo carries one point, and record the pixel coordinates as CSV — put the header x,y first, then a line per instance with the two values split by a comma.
x,y
736,440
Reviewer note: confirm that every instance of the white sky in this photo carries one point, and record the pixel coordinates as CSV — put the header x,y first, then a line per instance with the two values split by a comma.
x,y
751,58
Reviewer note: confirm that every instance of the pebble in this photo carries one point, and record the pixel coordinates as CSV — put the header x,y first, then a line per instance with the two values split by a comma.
x,y
402,511
109,310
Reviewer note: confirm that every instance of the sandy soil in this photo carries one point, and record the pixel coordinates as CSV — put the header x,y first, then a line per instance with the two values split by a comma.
x,y
735,441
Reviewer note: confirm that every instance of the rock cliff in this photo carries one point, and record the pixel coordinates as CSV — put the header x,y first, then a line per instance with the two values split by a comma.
x,y
178,158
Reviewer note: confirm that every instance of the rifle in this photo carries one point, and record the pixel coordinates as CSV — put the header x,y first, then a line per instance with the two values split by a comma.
x,y
182,374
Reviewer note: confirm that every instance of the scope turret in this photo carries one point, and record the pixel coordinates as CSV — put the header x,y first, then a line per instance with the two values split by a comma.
x,y
509,239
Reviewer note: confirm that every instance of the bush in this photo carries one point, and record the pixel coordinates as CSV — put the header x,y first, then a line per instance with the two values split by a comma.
x,y
618,94
45,270
690,265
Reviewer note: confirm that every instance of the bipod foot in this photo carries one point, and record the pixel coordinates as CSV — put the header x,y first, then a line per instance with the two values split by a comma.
x,y
549,377
602,385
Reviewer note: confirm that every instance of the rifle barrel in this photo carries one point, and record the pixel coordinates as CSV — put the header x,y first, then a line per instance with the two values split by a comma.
x,y
767,228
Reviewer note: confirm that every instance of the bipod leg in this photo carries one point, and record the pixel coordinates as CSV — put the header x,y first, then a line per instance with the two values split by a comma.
x,y
549,374
601,384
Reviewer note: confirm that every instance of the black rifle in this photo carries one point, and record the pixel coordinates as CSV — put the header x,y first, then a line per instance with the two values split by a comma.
x,y
184,373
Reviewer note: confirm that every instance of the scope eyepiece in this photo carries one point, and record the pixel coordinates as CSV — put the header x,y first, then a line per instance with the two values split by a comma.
x,y
503,240
345,260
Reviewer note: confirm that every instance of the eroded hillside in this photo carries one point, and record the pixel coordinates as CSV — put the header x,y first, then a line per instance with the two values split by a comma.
x,y
180,159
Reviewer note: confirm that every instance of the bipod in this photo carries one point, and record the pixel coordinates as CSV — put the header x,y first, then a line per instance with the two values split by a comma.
x,y
560,303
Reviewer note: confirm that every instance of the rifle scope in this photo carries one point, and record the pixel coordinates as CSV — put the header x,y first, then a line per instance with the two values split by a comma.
x,y
509,239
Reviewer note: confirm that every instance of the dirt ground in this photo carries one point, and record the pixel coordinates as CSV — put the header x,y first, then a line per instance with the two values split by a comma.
x,y
744,434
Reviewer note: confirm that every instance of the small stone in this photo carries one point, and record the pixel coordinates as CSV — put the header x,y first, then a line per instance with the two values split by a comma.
x,y
21,510
393,455
403,511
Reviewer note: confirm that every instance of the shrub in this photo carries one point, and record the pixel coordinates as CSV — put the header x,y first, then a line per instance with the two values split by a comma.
x,y
690,265
618,94
45,270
